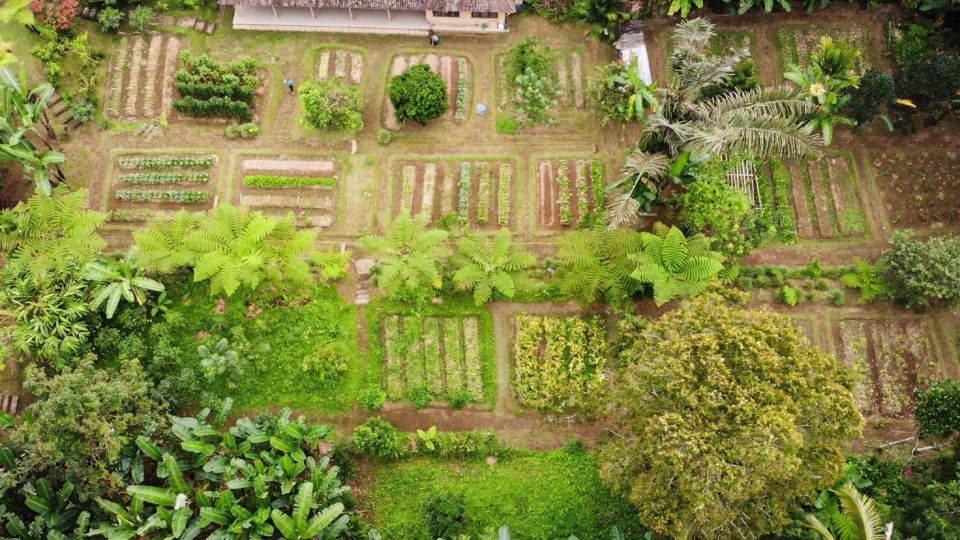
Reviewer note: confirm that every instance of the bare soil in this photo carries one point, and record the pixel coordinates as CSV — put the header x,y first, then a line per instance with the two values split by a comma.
x,y
548,194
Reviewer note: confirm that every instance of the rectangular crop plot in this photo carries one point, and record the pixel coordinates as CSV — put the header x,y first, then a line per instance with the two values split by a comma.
x,y
570,81
568,190
919,189
439,354
797,41
145,185
343,63
140,77
825,195
479,193
305,186
455,72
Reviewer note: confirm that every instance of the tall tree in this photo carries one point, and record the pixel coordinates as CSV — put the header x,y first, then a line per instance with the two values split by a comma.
x,y
728,421
408,255
491,266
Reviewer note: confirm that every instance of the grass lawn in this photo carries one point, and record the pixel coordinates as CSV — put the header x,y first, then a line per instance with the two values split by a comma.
x,y
539,495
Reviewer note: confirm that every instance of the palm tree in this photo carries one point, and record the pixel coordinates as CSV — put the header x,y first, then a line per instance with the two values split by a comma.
x,y
408,254
489,266
643,173
22,112
676,266
857,518
595,263
121,279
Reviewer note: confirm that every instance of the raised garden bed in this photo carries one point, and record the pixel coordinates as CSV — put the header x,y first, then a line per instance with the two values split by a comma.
x,y
303,186
140,76
439,354
455,72
826,197
568,190
154,178
920,189
151,195
343,63
479,193
216,92
149,185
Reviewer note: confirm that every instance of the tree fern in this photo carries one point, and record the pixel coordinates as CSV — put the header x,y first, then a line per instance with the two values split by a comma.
x,y
856,519
675,266
408,255
595,264
491,267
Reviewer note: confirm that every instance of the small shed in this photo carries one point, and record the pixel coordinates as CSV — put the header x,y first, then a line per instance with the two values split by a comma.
x,y
633,48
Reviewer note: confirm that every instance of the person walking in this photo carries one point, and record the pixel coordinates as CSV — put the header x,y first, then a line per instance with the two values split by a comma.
x,y
289,84
435,40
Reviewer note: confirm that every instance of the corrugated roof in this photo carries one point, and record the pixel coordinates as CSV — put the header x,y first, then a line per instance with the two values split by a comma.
x,y
499,6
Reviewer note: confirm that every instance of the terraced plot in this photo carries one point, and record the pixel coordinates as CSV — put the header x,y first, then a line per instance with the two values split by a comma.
x,y
568,190
148,185
343,63
920,189
479,193
439,354
306,187
140,78
826,197
455,72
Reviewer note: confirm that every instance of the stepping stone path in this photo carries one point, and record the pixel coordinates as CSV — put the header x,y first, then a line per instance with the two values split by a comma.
x,y
185,22
364,268
141,76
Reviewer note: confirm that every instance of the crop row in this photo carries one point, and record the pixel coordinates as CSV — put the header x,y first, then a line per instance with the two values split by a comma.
x,y
151,195
153,178
406,187
563,181
583,204
483,195
276,181
429,185
463,82
463,196
503,195
596,177
166,162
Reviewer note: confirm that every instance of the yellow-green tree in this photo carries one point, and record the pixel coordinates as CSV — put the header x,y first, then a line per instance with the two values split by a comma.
x,y
729,421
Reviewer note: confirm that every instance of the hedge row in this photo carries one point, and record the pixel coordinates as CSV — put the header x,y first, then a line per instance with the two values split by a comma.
x,y
142,178
166,162
205,91
221,107
179,196
271,181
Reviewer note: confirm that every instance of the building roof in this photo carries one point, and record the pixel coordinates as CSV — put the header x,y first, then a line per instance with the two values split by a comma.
x,y
498,6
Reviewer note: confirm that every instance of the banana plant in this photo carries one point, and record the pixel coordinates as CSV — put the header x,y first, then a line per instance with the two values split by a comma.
x,y
826,94
118,280
326,524
643,96
22,111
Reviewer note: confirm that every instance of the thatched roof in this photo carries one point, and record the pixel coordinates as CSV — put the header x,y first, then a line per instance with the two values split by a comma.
x,y
499,6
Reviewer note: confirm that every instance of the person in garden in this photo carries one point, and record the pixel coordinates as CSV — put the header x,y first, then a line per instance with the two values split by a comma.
x,y
289,84
435,40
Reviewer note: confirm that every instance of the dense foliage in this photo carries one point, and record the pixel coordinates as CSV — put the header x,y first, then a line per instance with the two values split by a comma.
x,y
418,94
491,267
408,256
216,89
938,409
332,104
922,274
531,68
710,387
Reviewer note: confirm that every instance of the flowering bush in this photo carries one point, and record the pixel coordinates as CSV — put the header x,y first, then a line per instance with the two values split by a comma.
x,y
57,14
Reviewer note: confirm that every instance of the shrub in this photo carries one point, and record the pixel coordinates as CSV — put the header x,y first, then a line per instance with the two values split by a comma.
x,y
58,14
110,19
938,409
608,91
372,397
247,130
867,101
272,181
531,53
332,104
216,89
384,136
378,439
536,97
83,110
140,18
218,106
837,297
418,94
446,515
420,396
459,399
789,295
506,125
922,274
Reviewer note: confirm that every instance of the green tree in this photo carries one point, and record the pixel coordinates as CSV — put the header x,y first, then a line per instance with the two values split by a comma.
x,y
856,519
418,94
922,274
332,104
120,280
408,255
231,247
83,419
491,266
729,421
603,16
675,266
595,264
22,114
938,409
535,99
50,314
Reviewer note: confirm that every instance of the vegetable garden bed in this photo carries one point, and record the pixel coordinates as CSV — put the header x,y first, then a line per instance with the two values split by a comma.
x,y
146,185
569,190
920,189
481,193
826,197
440,354
455,72
571,79
303,186
796,42
337,62
140,76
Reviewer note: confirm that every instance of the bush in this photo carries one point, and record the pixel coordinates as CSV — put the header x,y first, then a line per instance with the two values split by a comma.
x,y
535,98
378,439
459,399
57,14
332,104
875,92
223,107
922,274
247,130
938,409
384,136
372,397
446,515
420,396
140,18
837,297
83,110
109,19
418,94
506,125
609,93
272,181
532,54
